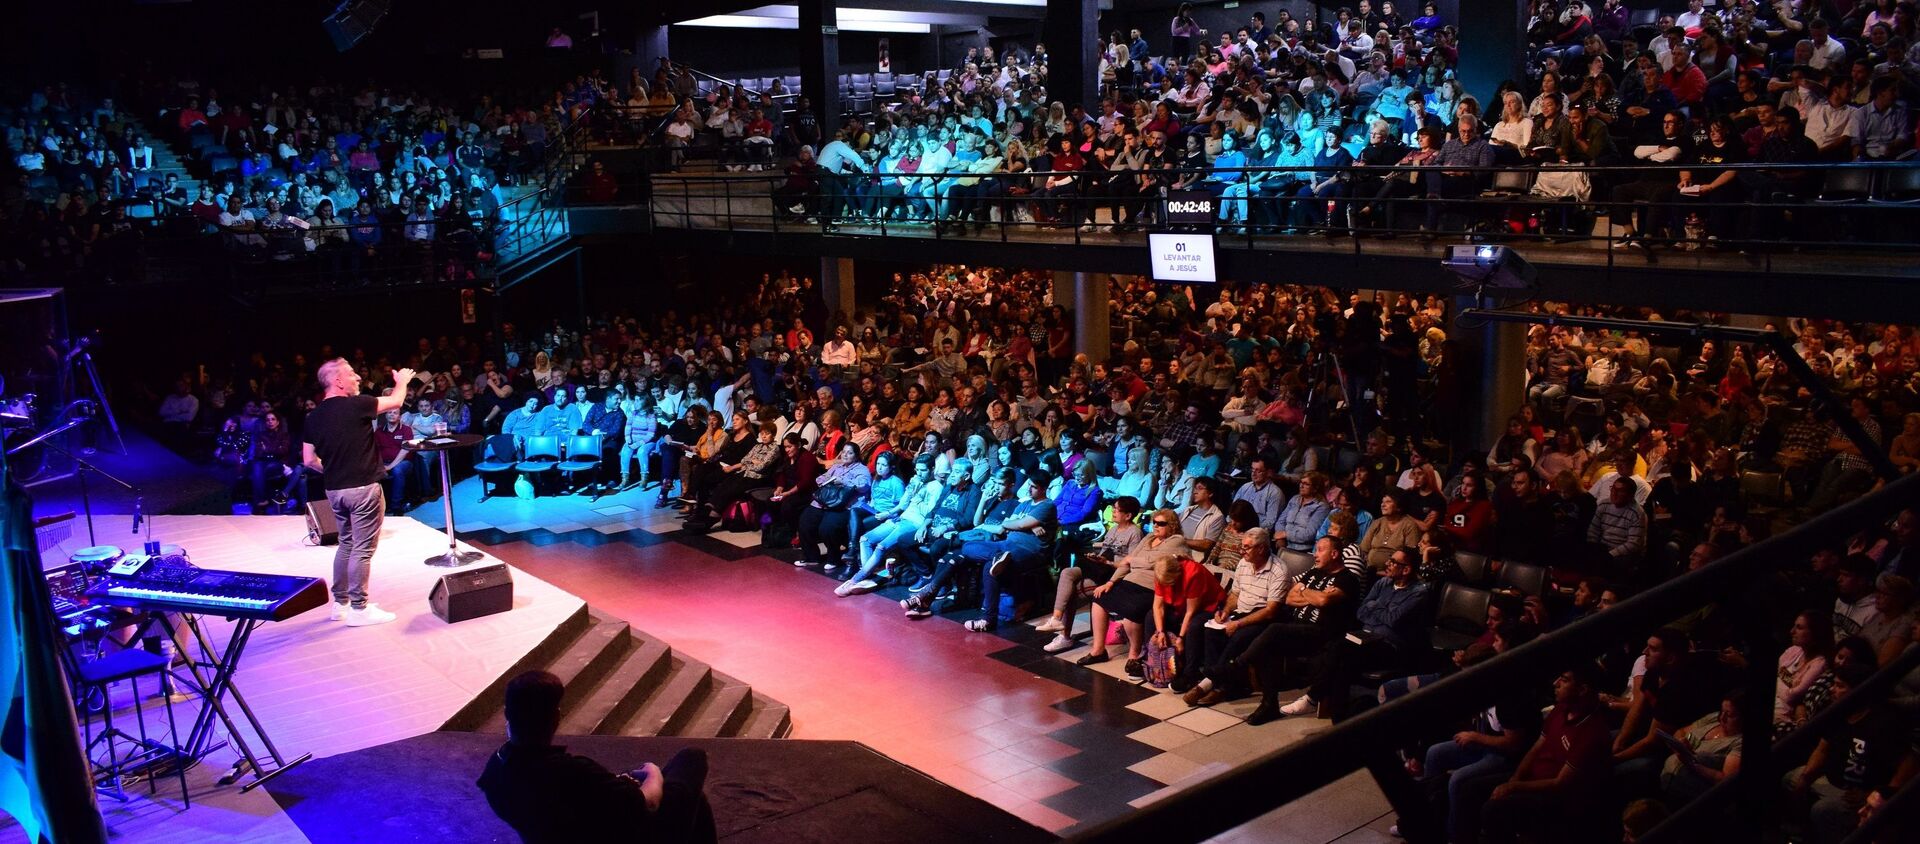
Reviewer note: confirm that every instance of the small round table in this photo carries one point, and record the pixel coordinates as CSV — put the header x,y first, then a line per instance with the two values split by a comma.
x,y
441,443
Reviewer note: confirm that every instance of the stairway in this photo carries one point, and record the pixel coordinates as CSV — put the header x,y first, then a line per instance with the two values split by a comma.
x,y
621,682
167,158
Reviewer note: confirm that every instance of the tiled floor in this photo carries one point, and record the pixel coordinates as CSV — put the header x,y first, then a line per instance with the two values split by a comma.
x,y
992,714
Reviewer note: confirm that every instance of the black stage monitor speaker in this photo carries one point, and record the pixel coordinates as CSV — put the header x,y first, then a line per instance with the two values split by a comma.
x,y
321,528
461,595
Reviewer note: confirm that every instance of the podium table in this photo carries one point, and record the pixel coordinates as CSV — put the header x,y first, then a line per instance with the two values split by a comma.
x,y
434,445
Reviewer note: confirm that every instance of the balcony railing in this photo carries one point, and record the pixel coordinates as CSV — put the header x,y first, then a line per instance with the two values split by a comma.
x,y
1850,218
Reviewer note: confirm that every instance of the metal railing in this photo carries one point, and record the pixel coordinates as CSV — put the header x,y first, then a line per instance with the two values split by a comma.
x,y
1370,739
1863,210
529,224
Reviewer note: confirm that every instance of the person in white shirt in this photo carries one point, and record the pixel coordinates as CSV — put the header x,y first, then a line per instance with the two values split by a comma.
x,y
837,161
1357,43
1828,122
139,155
1828,53
839,351
1690,19
240,223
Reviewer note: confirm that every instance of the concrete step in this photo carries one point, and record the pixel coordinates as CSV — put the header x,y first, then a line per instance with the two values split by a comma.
x,y
622,691
490,701
670,701
582,665
766,719
721,713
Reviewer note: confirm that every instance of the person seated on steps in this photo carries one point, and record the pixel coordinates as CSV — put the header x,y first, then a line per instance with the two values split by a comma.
x,y
549,795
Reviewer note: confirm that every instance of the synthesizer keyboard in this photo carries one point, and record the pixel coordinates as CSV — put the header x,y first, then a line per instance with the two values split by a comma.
x,y
234,594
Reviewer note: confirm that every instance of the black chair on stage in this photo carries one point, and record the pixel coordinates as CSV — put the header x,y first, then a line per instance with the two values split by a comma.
x,y
93,682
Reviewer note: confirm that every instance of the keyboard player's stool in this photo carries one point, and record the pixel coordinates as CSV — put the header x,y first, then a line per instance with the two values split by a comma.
x,y
145,754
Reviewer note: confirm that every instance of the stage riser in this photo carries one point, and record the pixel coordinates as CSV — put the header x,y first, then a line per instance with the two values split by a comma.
x,y
620,682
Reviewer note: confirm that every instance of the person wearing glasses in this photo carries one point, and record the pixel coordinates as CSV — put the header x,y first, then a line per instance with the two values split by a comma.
x,y
1646,195
1127,594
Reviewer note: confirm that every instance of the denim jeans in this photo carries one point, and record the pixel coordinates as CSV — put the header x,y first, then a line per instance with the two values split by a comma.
x,y
1024,551
877,541
640,451
1472,773
360,511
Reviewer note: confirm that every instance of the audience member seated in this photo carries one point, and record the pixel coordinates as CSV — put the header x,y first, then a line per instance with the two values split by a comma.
x,y
549,795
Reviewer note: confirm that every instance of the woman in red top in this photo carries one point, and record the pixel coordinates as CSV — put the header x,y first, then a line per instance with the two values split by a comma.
x,y
1062,184
1469,516
1163,121
1195,592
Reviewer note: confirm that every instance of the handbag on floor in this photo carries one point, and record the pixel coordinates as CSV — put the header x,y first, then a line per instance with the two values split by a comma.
x,y
1161,662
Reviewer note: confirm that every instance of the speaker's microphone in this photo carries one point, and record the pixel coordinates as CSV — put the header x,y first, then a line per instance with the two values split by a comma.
x,y
138,517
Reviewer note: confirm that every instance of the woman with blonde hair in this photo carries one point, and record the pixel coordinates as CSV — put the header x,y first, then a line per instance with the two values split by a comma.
x,y
1128,593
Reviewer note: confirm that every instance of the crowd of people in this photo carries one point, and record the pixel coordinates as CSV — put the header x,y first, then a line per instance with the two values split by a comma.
x,y
1317,126
369,181
1215,486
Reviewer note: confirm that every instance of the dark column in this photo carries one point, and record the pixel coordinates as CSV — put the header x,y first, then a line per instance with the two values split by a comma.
x,y
836,288
1495,34
1493,375
1072,35
820,62
649,46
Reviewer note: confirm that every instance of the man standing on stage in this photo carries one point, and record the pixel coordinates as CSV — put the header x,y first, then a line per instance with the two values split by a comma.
x,y
340,446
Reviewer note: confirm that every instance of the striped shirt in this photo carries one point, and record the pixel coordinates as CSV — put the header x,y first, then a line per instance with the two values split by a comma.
x,y
1621,528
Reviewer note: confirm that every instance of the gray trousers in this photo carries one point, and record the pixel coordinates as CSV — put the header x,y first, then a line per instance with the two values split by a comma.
x,y
360,510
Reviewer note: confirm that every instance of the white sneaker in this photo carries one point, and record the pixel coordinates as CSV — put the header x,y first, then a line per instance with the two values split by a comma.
x,y
1302,705
339,612
1061,642
368,616
864,585
1051,625
998,568
843,590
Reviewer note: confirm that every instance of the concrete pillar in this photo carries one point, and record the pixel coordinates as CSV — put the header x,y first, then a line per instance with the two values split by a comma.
x,y
1071,32
1498,32
1085,296
649,47
1493,376
820,62
836,287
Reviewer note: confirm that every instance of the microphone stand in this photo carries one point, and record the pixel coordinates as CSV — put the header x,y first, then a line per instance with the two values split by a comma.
x,y
82,467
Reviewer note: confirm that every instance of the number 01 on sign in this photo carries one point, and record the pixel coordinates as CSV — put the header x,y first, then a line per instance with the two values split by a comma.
x,y
1182,257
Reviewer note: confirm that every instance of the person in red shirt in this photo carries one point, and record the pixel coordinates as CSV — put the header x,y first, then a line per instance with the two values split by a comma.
x,y
1062,186
1469,518
402,467
1564,777
192,116
601,186
1686,80
1192,590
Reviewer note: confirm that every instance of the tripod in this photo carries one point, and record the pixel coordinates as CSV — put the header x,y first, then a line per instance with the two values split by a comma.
x,y
82,359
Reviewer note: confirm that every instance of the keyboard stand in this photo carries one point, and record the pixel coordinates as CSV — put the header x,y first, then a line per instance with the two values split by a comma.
x,y
212,679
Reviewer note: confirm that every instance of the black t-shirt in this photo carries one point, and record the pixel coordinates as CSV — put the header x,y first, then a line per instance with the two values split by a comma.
x,y
341,431
549,795
1689,690
1420,504
1864,755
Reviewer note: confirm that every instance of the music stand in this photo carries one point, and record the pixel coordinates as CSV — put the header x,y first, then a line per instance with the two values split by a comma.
x,y
437,444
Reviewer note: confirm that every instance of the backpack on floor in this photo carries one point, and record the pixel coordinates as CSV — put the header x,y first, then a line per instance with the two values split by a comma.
x,y
1161,663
